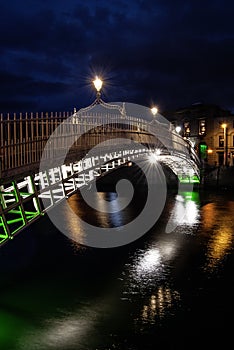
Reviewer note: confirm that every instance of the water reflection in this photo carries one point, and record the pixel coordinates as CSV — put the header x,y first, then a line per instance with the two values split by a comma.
x,y
220,245
186,211
147,277
148,263
109,211
146,269
151,266
65,330
218,225
75,224
75,229
158,304
163,279
208,212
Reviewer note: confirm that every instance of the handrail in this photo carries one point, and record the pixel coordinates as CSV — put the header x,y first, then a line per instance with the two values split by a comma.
x,y
23,138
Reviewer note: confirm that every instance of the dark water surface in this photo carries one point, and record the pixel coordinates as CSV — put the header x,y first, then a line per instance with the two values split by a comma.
x,y
164,291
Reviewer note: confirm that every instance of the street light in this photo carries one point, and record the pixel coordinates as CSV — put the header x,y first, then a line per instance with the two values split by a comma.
x,y
154,110
178,129
224,126
98,85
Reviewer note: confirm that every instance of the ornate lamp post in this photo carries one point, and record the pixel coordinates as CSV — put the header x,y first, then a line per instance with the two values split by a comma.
x,y
98,85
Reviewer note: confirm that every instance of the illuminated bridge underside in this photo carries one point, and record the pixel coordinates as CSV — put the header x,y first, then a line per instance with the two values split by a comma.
x,y
183,168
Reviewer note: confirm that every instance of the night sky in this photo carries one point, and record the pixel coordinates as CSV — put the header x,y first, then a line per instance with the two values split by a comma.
x,y
171,53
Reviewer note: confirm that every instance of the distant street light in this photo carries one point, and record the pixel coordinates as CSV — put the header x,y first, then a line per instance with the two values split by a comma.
x,y
224,126
178,129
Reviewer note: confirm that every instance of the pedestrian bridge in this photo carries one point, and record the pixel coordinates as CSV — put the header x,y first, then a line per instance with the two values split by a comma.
x,y
45,158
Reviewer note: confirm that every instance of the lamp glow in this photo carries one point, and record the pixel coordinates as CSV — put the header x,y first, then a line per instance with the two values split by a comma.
x,y
157,152
154,110
97,83
178,129
224,126
153,158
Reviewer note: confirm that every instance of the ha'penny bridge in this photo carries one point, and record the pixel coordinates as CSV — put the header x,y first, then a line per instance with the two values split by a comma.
x,y
46,158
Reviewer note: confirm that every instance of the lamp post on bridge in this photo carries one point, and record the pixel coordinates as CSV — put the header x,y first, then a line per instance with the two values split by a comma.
x,y
178,129
154,111
98,85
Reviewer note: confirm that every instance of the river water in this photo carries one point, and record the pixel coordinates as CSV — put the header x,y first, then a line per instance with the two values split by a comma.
x,y
165,290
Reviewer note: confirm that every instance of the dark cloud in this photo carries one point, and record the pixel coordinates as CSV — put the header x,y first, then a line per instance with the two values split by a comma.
x,y
172,53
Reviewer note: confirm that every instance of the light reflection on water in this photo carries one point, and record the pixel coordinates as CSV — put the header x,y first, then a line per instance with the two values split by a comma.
x,y
66,330
218,222
149,267
152,264
151,280
158,305
186,209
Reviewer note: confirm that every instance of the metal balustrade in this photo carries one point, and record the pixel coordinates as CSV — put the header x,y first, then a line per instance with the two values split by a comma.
x,y
28,190
23,138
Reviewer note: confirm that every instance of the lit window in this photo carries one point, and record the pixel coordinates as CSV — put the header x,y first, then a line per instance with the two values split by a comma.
x,y
202,127
186,129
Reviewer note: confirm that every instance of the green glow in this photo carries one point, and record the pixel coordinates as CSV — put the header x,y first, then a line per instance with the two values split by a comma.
x,y
13,221
203,150
20,208
17,218
10,324
189,179
14,211
32,212
3,235
190,195
17,230
32,215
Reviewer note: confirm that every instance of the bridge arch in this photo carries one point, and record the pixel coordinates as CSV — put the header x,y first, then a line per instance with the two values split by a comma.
x,y
66,165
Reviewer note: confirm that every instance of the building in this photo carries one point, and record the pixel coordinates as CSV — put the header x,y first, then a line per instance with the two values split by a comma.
x,y
210,129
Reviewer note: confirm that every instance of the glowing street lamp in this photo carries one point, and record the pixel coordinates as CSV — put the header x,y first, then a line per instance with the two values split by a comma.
x,y
178,129
154,110
224,126
98,85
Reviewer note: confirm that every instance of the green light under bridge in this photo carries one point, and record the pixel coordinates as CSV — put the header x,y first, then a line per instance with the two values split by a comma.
x,y
186,179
